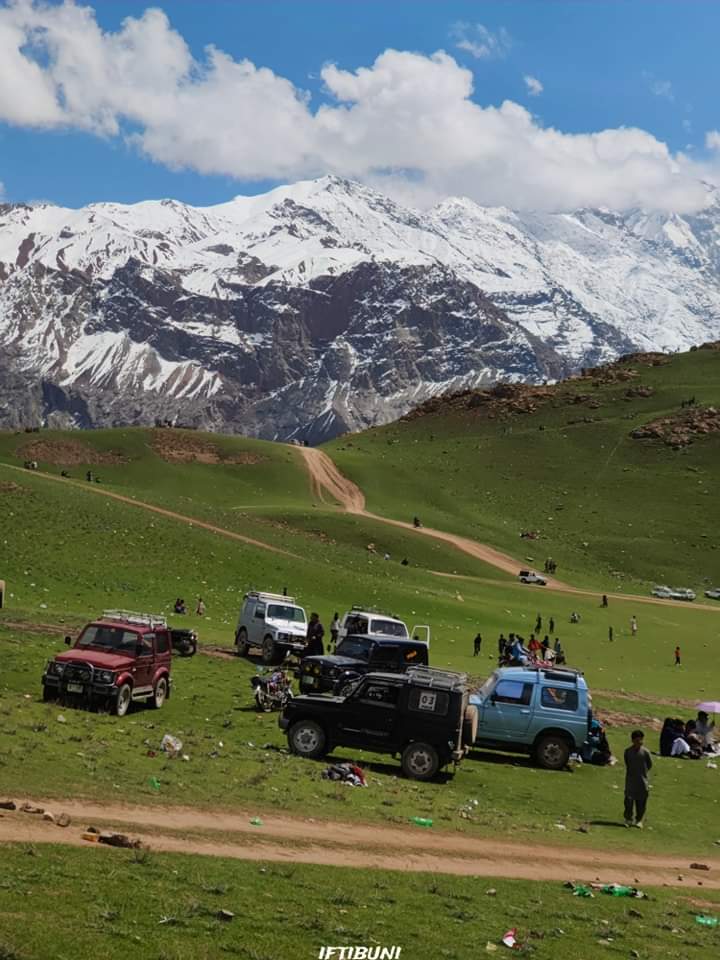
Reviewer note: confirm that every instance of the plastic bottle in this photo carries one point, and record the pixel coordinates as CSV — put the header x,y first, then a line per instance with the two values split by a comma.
x,y
421,821
707,921
154,783
618,890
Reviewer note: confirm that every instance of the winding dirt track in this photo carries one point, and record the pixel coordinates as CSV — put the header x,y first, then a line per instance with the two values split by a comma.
x,y
325,477
219,833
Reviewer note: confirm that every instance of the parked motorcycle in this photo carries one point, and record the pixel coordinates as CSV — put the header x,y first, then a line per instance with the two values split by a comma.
x,y
272,691
185,642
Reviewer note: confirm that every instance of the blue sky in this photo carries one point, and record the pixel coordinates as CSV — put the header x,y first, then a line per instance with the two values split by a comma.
x,y
595,66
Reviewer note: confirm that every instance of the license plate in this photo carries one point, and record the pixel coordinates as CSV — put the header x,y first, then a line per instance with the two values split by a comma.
x,y
75,688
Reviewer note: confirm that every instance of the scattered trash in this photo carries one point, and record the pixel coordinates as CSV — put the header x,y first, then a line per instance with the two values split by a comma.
x,y
509,939
490,947
632,912
151,753
706,921
185,757
91,836
63,820
61,718
580,890
699,866
50,817
226,915
168,921
711,766
29,808
170,745
492,892
119,840
154,783
256,822
421,821
8,805
619,890
348,773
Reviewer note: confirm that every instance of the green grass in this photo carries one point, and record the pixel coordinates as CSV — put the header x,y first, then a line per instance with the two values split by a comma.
x,y
60,904
615,513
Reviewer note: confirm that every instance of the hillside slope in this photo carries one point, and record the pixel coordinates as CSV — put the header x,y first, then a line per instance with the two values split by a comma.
x,y
615,512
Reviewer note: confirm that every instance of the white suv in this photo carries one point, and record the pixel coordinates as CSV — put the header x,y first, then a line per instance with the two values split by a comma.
x,y
529,576
364,622
273,622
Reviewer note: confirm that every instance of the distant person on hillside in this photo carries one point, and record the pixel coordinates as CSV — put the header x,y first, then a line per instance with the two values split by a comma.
x,y
89,476
638,764
633,626
610,634
477,643
404,562
545,646
200,610
574,617
551,625
315,634
677,656
559,652
416,522
538,623
501,644
334,630
604,600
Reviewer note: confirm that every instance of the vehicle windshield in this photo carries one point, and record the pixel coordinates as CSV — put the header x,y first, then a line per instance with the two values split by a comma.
x,y
109,638
356,647
282,611
388,628
487,688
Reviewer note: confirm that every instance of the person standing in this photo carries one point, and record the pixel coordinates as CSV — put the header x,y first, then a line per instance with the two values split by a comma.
x,y
677,656
610,634
477,643
638,763
633,625
315,633
538,624
501,645
551,625
334,631
604,600
200,610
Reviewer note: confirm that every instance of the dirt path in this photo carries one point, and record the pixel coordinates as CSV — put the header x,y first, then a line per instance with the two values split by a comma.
x,y
325,476
152,508
292,839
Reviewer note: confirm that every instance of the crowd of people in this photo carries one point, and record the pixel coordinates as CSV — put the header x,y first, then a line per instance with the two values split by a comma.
x,y
513,649
689,739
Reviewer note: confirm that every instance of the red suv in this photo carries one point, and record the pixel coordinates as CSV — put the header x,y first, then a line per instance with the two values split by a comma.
x,y
119,658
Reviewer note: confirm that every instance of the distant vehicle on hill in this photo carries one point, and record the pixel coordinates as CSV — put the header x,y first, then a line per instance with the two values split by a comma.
x,y
673,593
713,594
529,576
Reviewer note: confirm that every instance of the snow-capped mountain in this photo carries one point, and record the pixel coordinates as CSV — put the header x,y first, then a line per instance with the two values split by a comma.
x,y
324,306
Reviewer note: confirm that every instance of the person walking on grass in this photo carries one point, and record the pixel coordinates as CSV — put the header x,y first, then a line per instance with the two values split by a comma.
x,y
334,631
501,645
604,600
638,763
633,625
538,624
677,657
477,643
610,634
551,625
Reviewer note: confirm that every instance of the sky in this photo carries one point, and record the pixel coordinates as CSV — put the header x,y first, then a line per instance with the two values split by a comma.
x,y
531,104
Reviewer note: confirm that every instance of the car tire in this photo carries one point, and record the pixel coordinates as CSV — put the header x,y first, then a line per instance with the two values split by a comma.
x,y
420,761
241,642
307,738
123,700
470,726
552,752
271,656
159,693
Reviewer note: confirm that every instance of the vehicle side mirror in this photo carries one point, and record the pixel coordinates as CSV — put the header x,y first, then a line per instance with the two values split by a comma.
x,y
68,641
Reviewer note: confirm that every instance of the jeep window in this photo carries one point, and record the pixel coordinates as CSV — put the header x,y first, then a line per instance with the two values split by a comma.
x,y
381,693
388,628
559,698
356,624
259,611
385,653
109,638
162,644
429,701
415,654
513,691
278,611
357,648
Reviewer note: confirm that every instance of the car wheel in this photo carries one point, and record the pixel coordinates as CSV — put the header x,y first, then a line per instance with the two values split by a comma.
x,y
420,761
470,726
241,642
160,695
552,752
124,699
307,739
270,653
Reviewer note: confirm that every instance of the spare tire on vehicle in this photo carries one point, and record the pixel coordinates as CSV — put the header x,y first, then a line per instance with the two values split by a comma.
x,y
470,726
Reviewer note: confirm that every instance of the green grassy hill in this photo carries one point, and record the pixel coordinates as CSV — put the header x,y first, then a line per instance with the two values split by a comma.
x,y
616,513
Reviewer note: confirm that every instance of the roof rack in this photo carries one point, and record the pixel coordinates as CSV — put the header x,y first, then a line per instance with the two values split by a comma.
x,y
432,677
263,595
140,619
366,608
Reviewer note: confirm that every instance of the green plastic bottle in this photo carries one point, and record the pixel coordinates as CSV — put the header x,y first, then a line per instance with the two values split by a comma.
x,y
618,890
421,821
154,783
707,921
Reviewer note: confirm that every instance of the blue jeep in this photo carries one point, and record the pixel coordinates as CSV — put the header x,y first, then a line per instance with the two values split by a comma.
x,y
543,711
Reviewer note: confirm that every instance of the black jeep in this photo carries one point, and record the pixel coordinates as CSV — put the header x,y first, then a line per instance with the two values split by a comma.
x,y
422,715
357,655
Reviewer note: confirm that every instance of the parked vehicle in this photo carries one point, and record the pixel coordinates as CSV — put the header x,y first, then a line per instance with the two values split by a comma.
x,y
184,642
120,658
361,620
273,622
663,592
713,594
422,715
529,576
272,690
543,711
357,655
673,593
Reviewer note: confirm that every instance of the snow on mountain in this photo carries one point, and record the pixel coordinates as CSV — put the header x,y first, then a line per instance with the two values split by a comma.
x,y
324,306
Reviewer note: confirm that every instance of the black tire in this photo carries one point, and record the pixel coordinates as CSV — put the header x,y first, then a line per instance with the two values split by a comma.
x,y
241,642
188,649
271,655
307,738
160,693
470,726
552,752
49,694
420,761
123,700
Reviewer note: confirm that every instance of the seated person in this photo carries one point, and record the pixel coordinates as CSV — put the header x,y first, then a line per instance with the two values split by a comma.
x,y
519,653
705,729
596,749
667,735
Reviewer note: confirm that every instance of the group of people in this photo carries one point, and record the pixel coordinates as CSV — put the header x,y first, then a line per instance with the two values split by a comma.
x,y
181,607
512,650
687,739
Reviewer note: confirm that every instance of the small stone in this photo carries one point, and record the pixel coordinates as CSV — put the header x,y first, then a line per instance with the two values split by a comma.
x,y
492,892
50,817
61,718
699,866
8,805
225,915
63,820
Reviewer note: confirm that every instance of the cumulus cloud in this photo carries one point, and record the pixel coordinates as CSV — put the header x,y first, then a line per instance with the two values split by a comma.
x,y
479,42
712,140
408,123
534,87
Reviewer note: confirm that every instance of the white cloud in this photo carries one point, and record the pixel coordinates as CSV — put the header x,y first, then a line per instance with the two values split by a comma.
x,y
479,42
712,140
406,122
534,87
659,88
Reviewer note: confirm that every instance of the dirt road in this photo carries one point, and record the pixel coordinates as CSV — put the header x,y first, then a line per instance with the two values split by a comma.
x,y
220,833
325,477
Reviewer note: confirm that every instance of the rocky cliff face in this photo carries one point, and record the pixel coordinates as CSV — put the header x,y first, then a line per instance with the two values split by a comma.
x,y
324,307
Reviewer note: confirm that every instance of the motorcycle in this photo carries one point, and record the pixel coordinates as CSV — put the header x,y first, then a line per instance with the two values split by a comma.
x,y
184,642
272,691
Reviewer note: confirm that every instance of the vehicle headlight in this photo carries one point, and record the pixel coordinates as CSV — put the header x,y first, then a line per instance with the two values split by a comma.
x,y
307,668
56,668
316,670
104,676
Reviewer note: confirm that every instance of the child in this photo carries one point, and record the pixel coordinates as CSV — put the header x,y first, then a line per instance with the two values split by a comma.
x,y
677,656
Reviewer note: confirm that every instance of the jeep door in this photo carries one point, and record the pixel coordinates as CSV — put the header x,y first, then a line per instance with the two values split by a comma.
x,y
370,715
144,663
256,625
506,712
